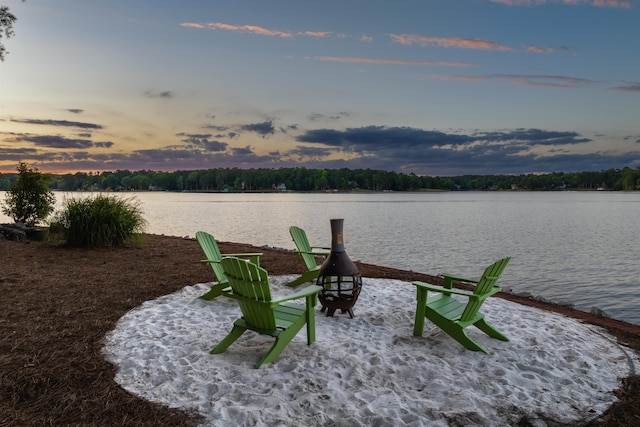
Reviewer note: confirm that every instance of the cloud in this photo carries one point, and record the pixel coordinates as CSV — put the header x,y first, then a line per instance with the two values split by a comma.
x,y
105,144
317,34
242,151
402,149
387,61
203,141
463,43
373,138
547,50
65,123
622,4
315,153
264,129
366,39
319,116
535,137
17,154
258,30
253,29
75,110
52,141
631,87
548,81
163,94
215,127
426,151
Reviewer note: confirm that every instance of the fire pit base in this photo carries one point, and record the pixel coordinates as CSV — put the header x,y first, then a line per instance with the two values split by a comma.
x,y
340,294
331,311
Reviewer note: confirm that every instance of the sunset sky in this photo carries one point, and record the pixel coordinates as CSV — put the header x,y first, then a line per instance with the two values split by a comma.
x,y
433,87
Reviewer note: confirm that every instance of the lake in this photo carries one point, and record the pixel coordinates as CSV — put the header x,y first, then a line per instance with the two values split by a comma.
x,y
567,247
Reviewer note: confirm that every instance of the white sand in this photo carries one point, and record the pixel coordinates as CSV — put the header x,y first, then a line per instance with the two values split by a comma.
x,y
369,370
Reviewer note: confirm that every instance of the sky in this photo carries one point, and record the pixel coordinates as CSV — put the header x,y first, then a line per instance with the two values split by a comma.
x,y
431,87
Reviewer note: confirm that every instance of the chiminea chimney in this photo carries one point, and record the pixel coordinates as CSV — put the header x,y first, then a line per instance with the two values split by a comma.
x,y
338,276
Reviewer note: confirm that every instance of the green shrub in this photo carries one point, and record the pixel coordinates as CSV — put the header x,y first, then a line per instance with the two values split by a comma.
x,y
98,221
29,199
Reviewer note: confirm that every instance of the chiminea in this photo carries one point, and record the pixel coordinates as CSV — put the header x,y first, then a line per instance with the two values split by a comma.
x,y
339,277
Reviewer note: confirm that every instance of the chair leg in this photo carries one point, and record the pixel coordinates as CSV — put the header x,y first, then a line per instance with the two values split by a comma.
x,y
281,342
485,327
311,319
421,307
229,339
461,336
215,291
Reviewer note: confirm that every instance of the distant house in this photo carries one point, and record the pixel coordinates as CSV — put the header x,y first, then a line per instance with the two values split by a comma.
x,y
280,187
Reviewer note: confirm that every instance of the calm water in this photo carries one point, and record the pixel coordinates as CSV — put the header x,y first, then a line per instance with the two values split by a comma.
x,y
578,247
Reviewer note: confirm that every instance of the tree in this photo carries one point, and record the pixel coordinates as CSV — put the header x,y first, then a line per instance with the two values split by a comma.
x,y
29,199
6,27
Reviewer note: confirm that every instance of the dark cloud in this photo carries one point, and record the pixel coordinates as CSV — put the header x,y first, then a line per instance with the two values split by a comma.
x,y
402,149
17,154
264,128
60,142
310,152
59,123
56,141
631,87
164,94
245,151
215,127
202,140
105,144
75,110
374,138
535,136
434,152
319,116
377,137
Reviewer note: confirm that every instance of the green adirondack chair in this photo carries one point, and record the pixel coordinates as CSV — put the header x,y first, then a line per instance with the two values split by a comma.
x,y
212,253
249,285
308,253
453,316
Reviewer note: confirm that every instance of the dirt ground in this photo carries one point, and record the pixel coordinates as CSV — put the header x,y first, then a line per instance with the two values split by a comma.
x,y
58,303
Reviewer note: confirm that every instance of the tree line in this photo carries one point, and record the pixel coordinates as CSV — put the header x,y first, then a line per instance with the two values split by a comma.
x,y
303,179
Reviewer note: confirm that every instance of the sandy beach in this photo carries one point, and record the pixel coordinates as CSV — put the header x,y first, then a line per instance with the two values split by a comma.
x,y
368,370
63,308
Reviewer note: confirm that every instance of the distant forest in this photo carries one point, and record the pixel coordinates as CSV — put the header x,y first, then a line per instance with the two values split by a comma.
x,y
302,179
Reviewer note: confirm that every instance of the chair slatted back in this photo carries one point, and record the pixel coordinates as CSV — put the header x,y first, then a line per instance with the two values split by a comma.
x,y
212,252
484,287
250,285
299,237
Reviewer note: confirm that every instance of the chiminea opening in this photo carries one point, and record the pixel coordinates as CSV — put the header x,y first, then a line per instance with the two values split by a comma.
x,y
338,275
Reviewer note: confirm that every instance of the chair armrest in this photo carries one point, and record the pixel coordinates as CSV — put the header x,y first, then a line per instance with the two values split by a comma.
x,y
443,290
309,290
244,255
320,249
458,278
315,251
254,258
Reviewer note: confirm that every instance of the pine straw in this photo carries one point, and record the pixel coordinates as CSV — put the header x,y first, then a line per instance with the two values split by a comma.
x,y
58,303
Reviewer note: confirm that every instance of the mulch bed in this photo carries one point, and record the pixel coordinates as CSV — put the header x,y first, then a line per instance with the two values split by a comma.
x,y
58,303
